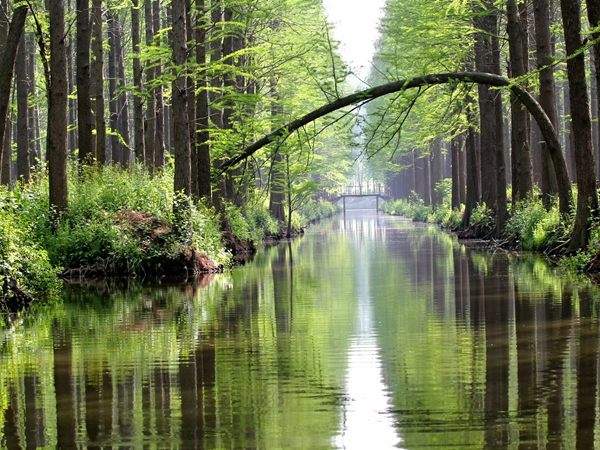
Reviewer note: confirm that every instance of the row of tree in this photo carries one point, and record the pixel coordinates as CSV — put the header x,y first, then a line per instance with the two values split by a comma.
x,y
490,139
186,81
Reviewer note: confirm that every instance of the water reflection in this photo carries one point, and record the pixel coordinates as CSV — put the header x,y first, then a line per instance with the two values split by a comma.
x,y
369,331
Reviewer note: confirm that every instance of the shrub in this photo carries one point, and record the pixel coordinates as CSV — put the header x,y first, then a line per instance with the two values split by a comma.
x,y
532,226
482,218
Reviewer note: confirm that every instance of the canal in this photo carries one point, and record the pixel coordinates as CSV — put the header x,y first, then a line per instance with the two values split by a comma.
x,y
367,332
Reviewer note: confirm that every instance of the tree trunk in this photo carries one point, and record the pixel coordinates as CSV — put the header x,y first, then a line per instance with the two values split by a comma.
x,y
202,111
520,155
191,104
150,119
138,112
473,182
276,174
216,47
34,132
9,53
455,155
57,111
23,162
97,79
593,12
181,135
85,120
547,95
122,103
587,199
159,141
436,171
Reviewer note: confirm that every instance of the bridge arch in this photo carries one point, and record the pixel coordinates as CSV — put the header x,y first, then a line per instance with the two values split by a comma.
x,y
534,108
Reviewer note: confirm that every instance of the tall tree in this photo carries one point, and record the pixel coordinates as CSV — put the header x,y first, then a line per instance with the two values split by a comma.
x,y
138,112
181,137
9,53
122,102
593,12
57,110
23,160
202,110
150,119
159,142
85,119
520,155
544,56
97,81
113,103
587,199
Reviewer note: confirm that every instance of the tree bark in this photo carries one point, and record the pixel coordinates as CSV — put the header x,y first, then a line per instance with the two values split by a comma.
x,y
520,156
455,145
97,80
122,103
202,111
587,199
547,93
138,112
57,111
181,137
150,119
23,161
33,120
593,12
436,171
85,120
115,144
9,53
191,104
159,141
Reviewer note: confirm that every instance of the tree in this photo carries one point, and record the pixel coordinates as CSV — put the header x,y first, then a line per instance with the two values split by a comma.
x,y
181,137
23,156
97,81
57,111
9,53
85,120
138,112
547,96
587,199
150,119
520,155
202,110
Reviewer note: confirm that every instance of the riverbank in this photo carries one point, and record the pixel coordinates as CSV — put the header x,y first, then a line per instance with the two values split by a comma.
x,y
121,224
530,227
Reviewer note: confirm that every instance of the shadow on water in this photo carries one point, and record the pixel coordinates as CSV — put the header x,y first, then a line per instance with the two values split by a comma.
x,y
369,331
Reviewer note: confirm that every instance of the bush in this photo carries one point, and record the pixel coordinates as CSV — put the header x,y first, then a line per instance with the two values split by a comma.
x,y
23,262
533,227
482,218
314,210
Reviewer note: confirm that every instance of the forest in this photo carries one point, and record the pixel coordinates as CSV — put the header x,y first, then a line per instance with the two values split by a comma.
x,y
174,137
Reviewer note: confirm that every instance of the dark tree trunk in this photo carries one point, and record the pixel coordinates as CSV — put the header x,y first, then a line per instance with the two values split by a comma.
x,y
113,104
23,163
486,24
85,120
569,141
202,112
455,145
473,182
150,119
191,104
34,132
587,199
9,53
436,171
544,57
159,141
181,136
71,102
276,174
138,112
216,47
122,103
57,111
520,155
593,12
97,78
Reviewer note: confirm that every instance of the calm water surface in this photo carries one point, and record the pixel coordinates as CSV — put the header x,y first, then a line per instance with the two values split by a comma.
x,y
369,332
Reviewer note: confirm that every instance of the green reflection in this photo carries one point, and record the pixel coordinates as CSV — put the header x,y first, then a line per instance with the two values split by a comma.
x,y
367,326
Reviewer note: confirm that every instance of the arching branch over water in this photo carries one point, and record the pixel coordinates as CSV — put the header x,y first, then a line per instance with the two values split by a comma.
x,y
534,108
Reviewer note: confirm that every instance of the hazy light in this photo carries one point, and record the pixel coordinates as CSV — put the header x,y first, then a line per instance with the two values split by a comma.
x,y
356,27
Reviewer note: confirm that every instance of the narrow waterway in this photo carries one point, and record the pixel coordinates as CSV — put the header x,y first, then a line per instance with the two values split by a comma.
x,y
367,332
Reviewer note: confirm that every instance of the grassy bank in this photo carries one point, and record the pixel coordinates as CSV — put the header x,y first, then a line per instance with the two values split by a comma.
x,y
530,227
121,223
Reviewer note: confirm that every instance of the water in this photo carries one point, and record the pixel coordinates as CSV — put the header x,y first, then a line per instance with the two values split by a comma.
x,y
371,332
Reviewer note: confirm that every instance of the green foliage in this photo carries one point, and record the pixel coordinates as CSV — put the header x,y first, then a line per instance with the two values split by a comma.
x,y
482,218
533,227
314,210
23,261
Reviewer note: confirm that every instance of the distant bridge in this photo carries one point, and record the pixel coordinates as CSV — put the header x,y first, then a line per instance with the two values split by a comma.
x,y
377,196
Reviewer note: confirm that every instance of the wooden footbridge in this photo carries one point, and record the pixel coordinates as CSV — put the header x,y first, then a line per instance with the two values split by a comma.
x,y
352,194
